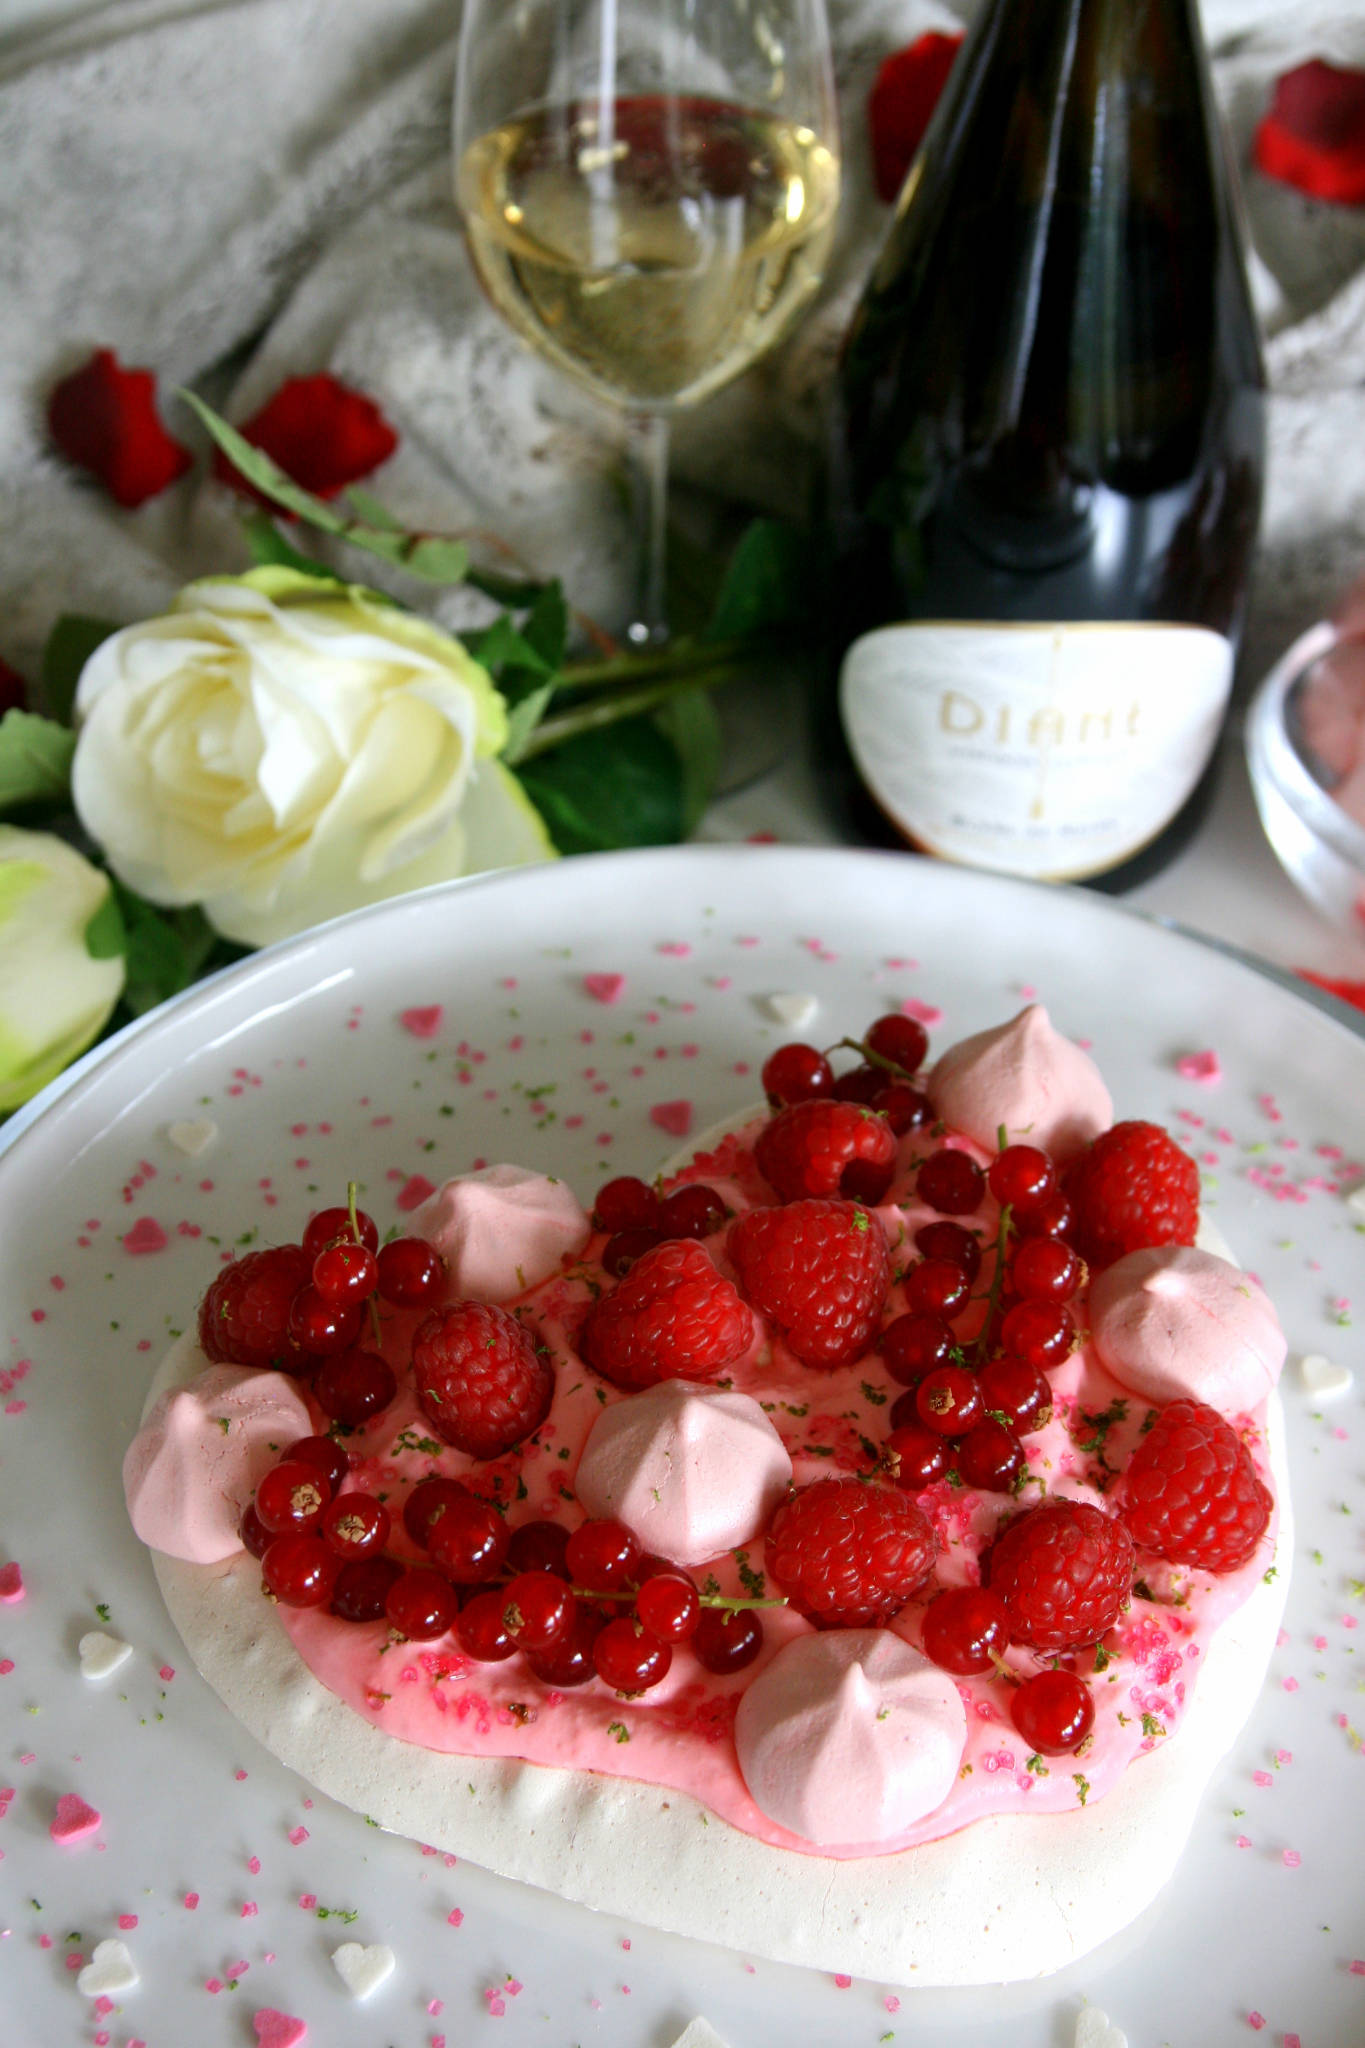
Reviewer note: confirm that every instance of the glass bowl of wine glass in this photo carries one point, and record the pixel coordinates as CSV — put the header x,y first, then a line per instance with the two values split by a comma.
x,y
1305,743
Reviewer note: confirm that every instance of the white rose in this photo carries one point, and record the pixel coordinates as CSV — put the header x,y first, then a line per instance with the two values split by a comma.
x,y
54,997
279,749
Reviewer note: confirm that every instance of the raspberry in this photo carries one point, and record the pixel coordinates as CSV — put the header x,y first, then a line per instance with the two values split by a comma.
x,y
672,1317
849,1555
480,1380
1063,1571
1132,1187
820,1270
817,1150
244,1316
1191,1493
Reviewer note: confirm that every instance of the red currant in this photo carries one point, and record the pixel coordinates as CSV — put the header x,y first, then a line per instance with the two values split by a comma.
x,y
914,1345
292,1495
628,1658
948,1240
951,1183
669,1606
256,1538
481,1629
621,1251
469,1541
949,1400
326,1453
965,1630
1020,1175
990,1457
354,1387
936,1287
727,1639
426,1504
1051,1216
539,1547
692,1211
331,1226
569,1661
421,1604
362,1588
602,1555
411,1273
321,1327
1040,1331
903,1414
1053,1711
796,1073
626,1204
921,1456
537,1610
345,1273
1017,1390
905,1108
299,1570
355,1524
1046,1269
900,1039
861,1084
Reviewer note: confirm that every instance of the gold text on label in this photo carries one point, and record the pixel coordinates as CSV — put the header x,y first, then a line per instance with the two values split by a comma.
x,y
1047,725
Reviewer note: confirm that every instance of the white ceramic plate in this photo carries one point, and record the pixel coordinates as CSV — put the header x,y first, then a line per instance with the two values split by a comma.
x,y
324,1060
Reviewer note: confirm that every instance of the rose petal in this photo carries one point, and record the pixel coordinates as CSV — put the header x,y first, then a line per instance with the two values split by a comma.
x,y
104,419
322,433
13,689
902,99
1313,136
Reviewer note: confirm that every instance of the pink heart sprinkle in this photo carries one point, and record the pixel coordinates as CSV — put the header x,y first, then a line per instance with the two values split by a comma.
x,y
923,1013
675,949
604,988
11,1583
1199,1066
673,1117
277,2029
424,1022
146,1235
73,1820
414,1192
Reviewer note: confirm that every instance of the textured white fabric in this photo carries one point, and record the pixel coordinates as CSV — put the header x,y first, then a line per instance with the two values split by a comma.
x,y
234,191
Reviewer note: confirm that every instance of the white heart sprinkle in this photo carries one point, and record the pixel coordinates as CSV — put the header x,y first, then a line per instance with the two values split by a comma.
x,y
362,1970
1355,1201
109,1971
699,2033
1324,1378
100,1654
1094,2031
795,1011
192,1136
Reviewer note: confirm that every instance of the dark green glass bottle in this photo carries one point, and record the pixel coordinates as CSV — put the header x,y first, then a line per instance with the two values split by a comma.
x,y
1046,451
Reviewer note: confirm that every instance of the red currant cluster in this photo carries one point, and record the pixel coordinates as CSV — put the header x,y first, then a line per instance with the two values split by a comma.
x,y
638,1217
893,1052
301,1308
967,1631
968,1404
580,1604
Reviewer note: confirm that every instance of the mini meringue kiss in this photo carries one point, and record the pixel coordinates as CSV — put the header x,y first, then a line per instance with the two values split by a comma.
x,y
501,1230
1025,1076
1172,1323
692,1471
849,1735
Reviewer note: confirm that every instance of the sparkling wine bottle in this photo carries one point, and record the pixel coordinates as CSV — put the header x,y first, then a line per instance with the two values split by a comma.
x,y
1046,452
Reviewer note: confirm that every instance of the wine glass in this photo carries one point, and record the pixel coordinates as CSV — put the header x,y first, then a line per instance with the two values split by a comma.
x,y
648,190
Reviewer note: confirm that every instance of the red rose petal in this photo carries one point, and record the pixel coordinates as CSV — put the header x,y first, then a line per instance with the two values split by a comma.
x,y
1313,137
901,101
1352,992
104,419
321,433
13,689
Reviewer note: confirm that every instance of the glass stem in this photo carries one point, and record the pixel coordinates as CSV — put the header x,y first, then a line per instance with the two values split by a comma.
x,y
648,434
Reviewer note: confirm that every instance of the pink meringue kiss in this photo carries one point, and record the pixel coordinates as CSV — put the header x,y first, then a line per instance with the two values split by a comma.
x,y
692,1471
849,1735
1024,1075
197,1459
501,1230
1172,1323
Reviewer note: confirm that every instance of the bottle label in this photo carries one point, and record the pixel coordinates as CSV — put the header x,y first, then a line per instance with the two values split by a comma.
x,y
1055,751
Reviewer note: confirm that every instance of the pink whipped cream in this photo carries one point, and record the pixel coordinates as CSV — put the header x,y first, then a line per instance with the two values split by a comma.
x,y
1174,1323
693,1471
849,1735
501,1230
681,1734
1025,1077
191,1469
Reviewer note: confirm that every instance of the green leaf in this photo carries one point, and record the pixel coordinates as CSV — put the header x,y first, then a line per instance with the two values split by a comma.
x,y
269,548
768,582
105,937
70,645
35,760
622,786
691,723
503,647
372,510
522,719
546,627
166,951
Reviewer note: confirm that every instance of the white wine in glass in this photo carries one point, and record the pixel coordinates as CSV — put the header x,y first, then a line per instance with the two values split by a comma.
x,y
649,190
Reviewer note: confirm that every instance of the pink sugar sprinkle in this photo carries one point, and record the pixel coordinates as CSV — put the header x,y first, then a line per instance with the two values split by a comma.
x,y
191,1901
892,2003
1243,1841
625,1941
1291,1684
127,1921
239,1775
74,1962
1261,1778
1286,1756
423,1022
1292,2041
1256,2021
923,1013
454,1918
1199,1066
73,1820
167,1672
604,988
413,1192
102,2039
253,1864
145,1236
435,2007
249,1909
842,1981
6,1666
44,1941
1291,1859
1357,1967
673,1117
496,2006
213,1984
308,1900
675,949
11,1583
